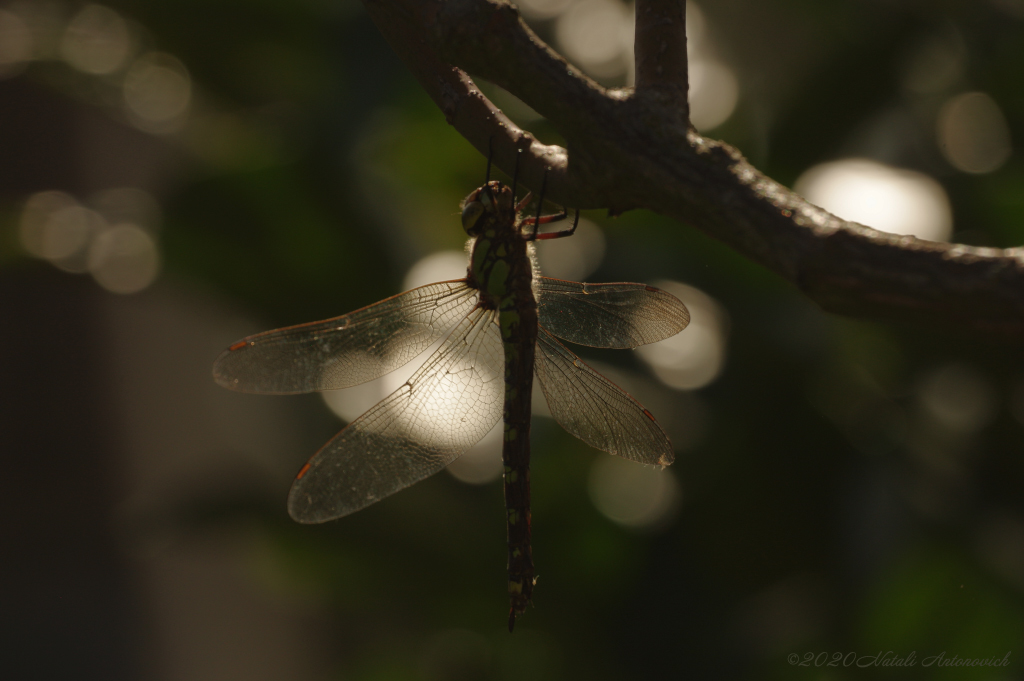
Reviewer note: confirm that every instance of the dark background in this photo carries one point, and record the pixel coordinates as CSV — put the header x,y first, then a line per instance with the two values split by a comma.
x,y
847,486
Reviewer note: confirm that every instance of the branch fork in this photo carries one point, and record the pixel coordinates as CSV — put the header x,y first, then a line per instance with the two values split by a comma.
x,y
635,148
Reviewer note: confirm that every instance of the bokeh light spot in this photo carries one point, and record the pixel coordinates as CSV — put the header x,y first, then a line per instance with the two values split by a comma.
x,y
959,397
440,266
447,398
935,63
543,9
714,92
481,463
35,221
590,33
157,92
694,357
973,134
696,27
15,44
879,196
631,494
350,403
572,258
97,41
124,259
54,226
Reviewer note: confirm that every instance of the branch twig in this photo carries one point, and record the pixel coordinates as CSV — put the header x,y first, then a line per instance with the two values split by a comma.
x,y
659,48
627,151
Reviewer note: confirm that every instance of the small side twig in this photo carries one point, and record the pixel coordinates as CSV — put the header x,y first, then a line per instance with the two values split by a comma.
x,y
469,111
659,48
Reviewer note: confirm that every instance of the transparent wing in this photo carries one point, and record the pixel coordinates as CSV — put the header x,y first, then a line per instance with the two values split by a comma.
x,y
447,406
608,315
347,350
596,411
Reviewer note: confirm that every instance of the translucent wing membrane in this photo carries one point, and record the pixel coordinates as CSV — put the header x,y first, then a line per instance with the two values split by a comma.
x,y
447,406
593,409
609,315
346,350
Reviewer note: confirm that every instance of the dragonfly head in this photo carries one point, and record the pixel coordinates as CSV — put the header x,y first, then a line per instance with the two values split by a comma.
x,y
492,198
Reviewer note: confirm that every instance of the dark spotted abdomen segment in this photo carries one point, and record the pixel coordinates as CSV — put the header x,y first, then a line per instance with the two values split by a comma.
x,y
519,334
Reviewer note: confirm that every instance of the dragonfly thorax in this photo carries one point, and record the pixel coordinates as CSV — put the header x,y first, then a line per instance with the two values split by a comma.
x,y
500,266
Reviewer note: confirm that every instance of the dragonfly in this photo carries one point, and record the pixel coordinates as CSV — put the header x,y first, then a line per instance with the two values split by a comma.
x,y
498,327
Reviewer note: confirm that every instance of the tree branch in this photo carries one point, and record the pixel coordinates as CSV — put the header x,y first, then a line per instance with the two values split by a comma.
x,y
659,49
627,151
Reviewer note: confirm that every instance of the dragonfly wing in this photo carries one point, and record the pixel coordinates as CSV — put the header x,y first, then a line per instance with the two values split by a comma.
x,y
594,409
347,350
447,406
609,315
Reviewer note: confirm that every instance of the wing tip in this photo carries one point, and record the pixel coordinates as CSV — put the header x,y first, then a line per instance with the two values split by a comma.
x,y
309,505
221,371
303,511
221,378
682,312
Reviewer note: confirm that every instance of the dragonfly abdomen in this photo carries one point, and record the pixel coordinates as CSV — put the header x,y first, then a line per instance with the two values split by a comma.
x,y
518,319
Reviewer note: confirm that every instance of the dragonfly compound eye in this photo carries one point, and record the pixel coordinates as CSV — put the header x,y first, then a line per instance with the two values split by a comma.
x,y
471,213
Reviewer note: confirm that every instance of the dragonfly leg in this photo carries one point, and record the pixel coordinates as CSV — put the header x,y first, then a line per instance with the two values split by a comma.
x,y
556,218
515,179
540,203
490,155
543,219
525,202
